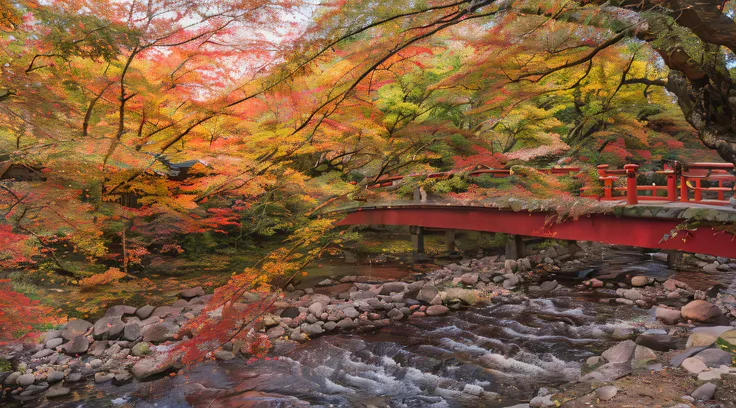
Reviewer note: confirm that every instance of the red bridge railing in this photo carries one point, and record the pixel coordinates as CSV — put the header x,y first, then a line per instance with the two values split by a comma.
x,y
622,184
691,180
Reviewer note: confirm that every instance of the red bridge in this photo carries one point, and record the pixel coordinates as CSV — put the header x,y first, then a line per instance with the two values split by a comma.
x,y
646,216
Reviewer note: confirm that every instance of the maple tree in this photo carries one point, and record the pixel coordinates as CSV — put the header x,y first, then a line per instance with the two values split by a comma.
x,y
163,121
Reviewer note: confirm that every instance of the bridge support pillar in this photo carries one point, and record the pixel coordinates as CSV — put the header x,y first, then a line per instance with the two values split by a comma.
x,y
515,247
417,243
674,259
449,241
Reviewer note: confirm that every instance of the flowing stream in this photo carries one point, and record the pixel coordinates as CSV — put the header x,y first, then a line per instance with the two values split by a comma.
x,y
495,355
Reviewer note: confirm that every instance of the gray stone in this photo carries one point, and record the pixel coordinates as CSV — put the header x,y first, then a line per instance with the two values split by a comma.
x,y
224,355
606,393
43,353
591,364
75,328
12,378
427,293
120,310
103,377
660,342
317,308
473,389
392,287
714,357
53,343
160,332
192,292
620,353
165,311
700,340
677,360
704,392
311,329
57,391
73,377
131,332
152,366
643,356
437,310
542,402
667,315
97,348
395,314
347,324
25,380
693,365
144,312
607,372
77,345
351,312
54,376
511,282
108,328
122,378
180,304
548,286
470,278
279,331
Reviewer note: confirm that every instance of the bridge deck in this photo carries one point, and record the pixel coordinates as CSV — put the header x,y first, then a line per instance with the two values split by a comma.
x,y
647,225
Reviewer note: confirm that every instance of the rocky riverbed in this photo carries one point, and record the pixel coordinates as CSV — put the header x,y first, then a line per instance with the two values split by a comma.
x,y
482,332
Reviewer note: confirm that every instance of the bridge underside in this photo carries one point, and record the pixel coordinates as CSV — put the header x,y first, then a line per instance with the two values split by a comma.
x,y
609,229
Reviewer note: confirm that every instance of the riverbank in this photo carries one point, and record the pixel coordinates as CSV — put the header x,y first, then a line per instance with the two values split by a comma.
x,y
127,346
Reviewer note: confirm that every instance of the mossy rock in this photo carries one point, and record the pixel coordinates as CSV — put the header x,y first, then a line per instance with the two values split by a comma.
x,y
727,341
141,349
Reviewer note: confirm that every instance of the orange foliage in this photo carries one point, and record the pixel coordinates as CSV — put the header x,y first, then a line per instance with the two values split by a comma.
x,y
110,276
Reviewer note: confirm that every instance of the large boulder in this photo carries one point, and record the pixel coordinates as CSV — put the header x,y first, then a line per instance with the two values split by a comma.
x,y
144,312
120,310
667,315
75,328
714,357
108,328
643,356
131,332
700,340
427,293
192,293
700,311
160,332
151,366
620,353
660,342
392,287
77,345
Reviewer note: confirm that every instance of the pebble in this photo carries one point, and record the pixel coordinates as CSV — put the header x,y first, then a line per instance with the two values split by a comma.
x,y
704,392
607,392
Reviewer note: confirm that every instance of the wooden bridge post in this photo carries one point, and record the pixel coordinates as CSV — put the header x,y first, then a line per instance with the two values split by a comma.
x,y
631,187
515,247
674,259
417,241
607,183
450,241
